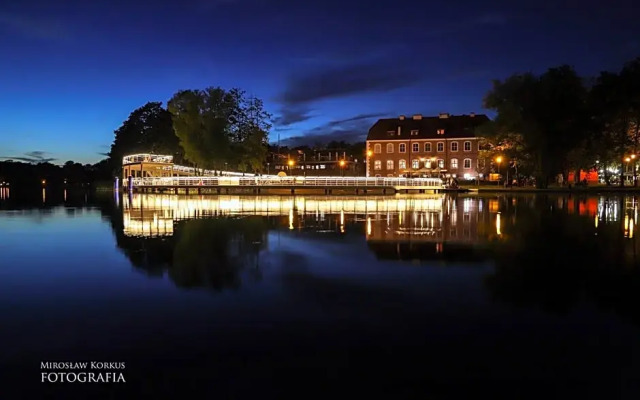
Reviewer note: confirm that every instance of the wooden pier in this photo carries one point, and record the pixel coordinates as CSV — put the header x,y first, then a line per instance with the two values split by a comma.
x,y
283,185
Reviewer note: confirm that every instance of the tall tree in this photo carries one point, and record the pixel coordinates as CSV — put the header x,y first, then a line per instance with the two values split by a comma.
x,y
220,128
149,129
549,112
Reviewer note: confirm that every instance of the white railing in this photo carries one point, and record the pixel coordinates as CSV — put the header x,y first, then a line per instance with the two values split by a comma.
x,y
294,181
154,158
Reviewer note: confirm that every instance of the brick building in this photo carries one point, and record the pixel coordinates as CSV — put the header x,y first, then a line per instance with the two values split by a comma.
x,y
445,145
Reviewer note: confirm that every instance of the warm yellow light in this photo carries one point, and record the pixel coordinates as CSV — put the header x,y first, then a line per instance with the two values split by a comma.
x,y
633,156
369,226
499,159
630,229
627,159
433,158
369,153
342,163
498,231
44,182
291,219
290,163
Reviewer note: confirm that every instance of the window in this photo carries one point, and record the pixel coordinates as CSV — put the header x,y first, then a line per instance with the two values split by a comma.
x,y
440,163
415,147
467,163
454,146
440,147
402,164
427,147
377,164
440,131
454,163
467,146
415,164
389,147
391,133
389,164
414,132
427,164
402,148
377,148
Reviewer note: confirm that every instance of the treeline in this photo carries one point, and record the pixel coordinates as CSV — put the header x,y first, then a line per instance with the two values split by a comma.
x,y
558,121
20,175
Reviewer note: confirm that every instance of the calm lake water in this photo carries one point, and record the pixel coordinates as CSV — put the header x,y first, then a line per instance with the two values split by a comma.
x,y
429,296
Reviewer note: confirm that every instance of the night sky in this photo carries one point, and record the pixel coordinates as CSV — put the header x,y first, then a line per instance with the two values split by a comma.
x,y
70,73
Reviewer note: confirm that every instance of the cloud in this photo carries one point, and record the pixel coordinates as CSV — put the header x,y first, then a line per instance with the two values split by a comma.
x,y
291,115
345,80
34,157
37,28
350,130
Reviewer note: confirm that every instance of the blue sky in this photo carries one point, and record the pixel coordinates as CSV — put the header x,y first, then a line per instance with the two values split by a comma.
x,y
72,71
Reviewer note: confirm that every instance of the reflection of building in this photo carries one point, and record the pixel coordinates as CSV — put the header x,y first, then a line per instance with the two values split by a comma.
x,y
445,145
459,224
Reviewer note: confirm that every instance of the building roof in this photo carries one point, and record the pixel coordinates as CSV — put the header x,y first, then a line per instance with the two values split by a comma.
x,y
455,126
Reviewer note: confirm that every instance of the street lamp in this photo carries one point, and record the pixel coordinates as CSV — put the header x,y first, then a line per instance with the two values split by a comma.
x,y
499,161
342,164
290,162
635,176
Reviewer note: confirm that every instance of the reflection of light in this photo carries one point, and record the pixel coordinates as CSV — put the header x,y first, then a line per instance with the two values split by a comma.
x,y
291,218
626,222
596,220
65,195
630,229
498,231
341,217
369,226
44,195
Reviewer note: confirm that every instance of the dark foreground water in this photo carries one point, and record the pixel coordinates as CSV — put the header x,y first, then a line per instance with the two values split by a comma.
x,y
430,297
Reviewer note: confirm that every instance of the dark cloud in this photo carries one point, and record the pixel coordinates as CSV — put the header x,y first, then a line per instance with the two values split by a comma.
x,y
34,157
291,115
340,81
350,130
37,28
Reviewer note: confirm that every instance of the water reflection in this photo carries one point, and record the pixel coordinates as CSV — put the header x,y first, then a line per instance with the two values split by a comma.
x,y
547,251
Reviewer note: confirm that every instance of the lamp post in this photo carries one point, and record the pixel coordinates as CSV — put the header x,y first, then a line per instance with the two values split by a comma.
x,y
635,176
290,162
342,164
498,161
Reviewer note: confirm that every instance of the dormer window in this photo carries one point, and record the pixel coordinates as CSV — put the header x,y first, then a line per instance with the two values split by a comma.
x,y
391,133
440,131
414,132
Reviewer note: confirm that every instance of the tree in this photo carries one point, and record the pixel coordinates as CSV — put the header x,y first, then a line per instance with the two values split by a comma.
x,y
218,127
549,112
149,129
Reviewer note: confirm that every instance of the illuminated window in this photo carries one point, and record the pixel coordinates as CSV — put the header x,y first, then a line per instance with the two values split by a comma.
x,y
427,164
389,147
415,147
441,163
467,146
415,163
454,163
427,147
402,164
389,164
377,164
402,147
440,131
454,146
440,147
377,148
414,132
467,163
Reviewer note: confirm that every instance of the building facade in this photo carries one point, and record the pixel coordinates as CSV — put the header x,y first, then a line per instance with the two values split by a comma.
x,y
444,146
